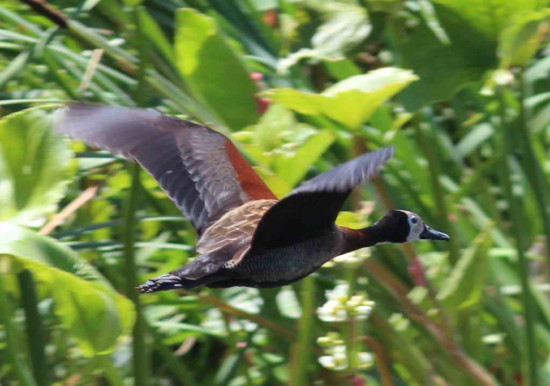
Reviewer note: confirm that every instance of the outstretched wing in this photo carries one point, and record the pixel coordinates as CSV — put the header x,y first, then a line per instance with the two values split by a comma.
x,y
313,207
200,169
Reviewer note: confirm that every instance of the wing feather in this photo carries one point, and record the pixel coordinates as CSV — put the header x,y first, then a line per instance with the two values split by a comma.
x,y
191,162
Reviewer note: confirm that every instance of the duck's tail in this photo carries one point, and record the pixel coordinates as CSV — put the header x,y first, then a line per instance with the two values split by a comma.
x,y
203,270
167,282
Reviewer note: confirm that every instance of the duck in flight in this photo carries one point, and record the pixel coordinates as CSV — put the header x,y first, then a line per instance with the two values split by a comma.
x,y
246,235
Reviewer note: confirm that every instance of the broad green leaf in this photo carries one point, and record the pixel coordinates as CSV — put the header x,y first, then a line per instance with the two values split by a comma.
x,y
350,102
88,307
522,37
488,17
34,165
443,67
213,69
464,286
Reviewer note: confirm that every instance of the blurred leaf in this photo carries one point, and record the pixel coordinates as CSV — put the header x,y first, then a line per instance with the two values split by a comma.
x,y
87,306
522,37
351,101
152,30
213,70
471,141
464,286
268,132
443,67
488,17
390,6
277,185
15,67
345,27
351,220
293,169
288,303
287,147
33,165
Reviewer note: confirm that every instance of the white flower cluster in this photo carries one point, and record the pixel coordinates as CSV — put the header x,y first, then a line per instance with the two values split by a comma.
x,y
336,354
340,306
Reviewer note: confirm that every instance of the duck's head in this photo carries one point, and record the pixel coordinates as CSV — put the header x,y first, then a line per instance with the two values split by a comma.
x,y
400,226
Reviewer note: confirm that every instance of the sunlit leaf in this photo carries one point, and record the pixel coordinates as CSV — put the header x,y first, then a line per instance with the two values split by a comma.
x,y
33,165
351,220
93,313
522,37
351,101
213,70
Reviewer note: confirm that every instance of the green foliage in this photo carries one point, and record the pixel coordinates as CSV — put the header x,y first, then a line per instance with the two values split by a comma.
x,y
459,87
84,301
33,165
463,288
206,59
350,102
521,39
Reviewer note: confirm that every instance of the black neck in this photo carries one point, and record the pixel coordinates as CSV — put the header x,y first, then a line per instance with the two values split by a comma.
x,y
361,238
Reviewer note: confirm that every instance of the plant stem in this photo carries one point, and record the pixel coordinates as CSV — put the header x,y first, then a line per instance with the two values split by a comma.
x,y
382,360
532,167
140,358
399,290
435,173
301,352
518,227
34,328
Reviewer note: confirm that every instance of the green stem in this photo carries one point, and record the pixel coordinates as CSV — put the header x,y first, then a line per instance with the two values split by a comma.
x,y
302,350
13,348
532,167
427,141
140,358
180,371
518,230
140,353
34,328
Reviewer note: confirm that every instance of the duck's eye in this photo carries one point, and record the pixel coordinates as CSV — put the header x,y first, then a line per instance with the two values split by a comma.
x,y
414,220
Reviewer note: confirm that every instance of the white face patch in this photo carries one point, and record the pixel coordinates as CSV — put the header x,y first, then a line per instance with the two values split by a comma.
x,y
416,225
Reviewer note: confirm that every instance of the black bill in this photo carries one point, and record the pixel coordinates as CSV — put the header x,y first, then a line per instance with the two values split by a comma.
x,y
431,234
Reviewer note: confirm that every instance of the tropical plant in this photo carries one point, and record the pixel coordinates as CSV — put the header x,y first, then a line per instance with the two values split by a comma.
x,y
459,87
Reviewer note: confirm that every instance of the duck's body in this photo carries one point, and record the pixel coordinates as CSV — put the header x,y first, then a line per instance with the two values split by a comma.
x,y
247,237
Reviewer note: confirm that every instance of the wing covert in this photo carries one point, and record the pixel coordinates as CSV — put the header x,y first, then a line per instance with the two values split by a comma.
x,y
312,208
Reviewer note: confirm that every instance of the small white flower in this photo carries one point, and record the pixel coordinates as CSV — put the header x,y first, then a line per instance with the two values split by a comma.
x,y
327,361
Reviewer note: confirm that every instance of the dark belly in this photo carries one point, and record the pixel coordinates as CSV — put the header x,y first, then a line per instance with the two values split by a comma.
x,y
280,266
